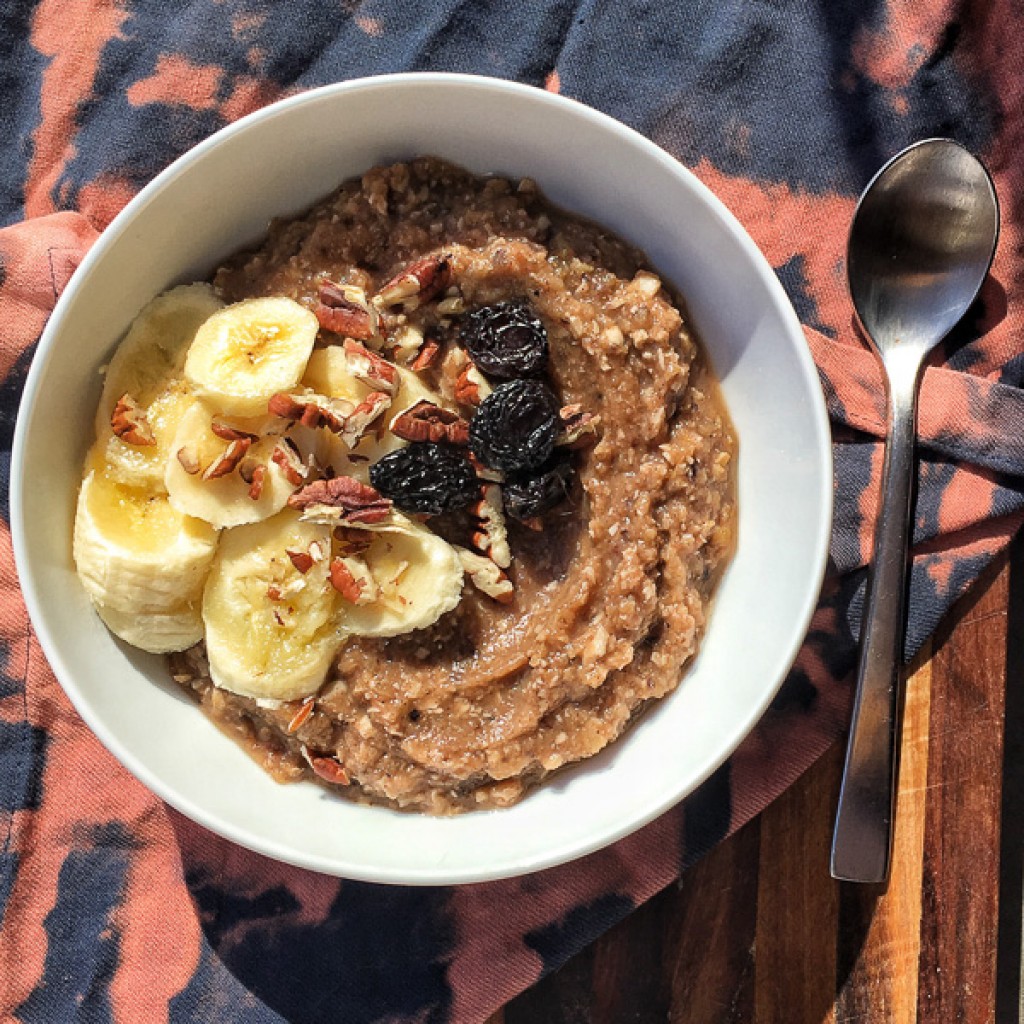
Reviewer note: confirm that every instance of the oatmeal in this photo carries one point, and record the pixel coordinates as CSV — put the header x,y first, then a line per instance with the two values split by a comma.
x,y
426,496
610,590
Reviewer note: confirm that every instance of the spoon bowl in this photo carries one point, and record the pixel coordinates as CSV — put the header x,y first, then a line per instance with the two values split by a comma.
x,y
922,240
921,243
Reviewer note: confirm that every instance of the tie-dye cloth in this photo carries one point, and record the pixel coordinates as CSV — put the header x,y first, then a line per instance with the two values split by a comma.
x,y
113,907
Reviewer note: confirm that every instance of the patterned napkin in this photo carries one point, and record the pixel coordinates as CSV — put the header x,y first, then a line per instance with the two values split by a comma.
x,y
113,907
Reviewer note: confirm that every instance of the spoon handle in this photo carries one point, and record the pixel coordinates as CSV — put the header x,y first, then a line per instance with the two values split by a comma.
x,y
862,842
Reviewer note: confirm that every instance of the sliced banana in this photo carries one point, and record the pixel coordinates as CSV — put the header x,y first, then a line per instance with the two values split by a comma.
x,y
270,629
144,465
418,577
247,352
327,374
226,500
135,552
153,351
177,629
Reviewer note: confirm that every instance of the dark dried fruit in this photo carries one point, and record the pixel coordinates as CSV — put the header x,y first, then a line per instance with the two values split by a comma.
x,y
516,426
426,477
506,340
529,495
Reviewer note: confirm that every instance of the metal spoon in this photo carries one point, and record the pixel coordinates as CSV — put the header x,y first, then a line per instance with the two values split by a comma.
x,y
922,240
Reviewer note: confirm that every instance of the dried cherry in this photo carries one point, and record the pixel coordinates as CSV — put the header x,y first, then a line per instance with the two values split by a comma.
x,y
506,340
532,494
426,477
515,426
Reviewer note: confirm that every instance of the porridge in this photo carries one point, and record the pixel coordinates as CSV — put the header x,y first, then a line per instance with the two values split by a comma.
x,y
445,480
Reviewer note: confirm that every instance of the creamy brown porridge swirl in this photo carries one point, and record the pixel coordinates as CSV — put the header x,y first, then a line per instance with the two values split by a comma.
x,y
611,589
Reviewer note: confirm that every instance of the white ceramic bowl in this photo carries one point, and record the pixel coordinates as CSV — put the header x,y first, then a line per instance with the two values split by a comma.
x,y
220,196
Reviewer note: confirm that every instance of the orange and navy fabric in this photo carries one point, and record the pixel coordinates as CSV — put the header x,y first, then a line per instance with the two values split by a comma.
x,y
115,908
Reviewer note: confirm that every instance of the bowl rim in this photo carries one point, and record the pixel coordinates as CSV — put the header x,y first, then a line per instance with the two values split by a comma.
x,y
438,874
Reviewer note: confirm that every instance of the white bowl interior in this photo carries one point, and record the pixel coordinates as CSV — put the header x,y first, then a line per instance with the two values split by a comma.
x,y
278,161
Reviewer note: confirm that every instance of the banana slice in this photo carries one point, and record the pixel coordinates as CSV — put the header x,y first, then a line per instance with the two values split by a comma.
x,y
327,374
157,632
153,351
247,352
418,577
135,552
270,629
224,501
144,465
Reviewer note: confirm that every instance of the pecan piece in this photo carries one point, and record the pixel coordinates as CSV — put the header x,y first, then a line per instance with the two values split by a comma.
x,y
425,421
342,499
491,476
579,428
351,577
286,455
128,422
302,560
427,356
300,717
491,535
327,768
363,415
471,386
351,540
311,410
256,487
228,460
370,368
343,309
189,460
330,771
417,283
228,433
350,320
486,576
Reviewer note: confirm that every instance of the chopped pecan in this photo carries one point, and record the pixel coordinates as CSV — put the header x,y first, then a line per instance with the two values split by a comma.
x,y
189,460
311,410
491,476
351,321
417,283
259,474
287,456
228,460
363,415
341,500
300,717
425,421
327,768
302,560
370,368
486,576
491,536
129,423
352,541
274,592
427,355
406,343
351,578
330,771
344,310
579,428
228,433
471,386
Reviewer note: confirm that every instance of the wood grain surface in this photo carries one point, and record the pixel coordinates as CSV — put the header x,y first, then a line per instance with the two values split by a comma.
x,y
759,933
